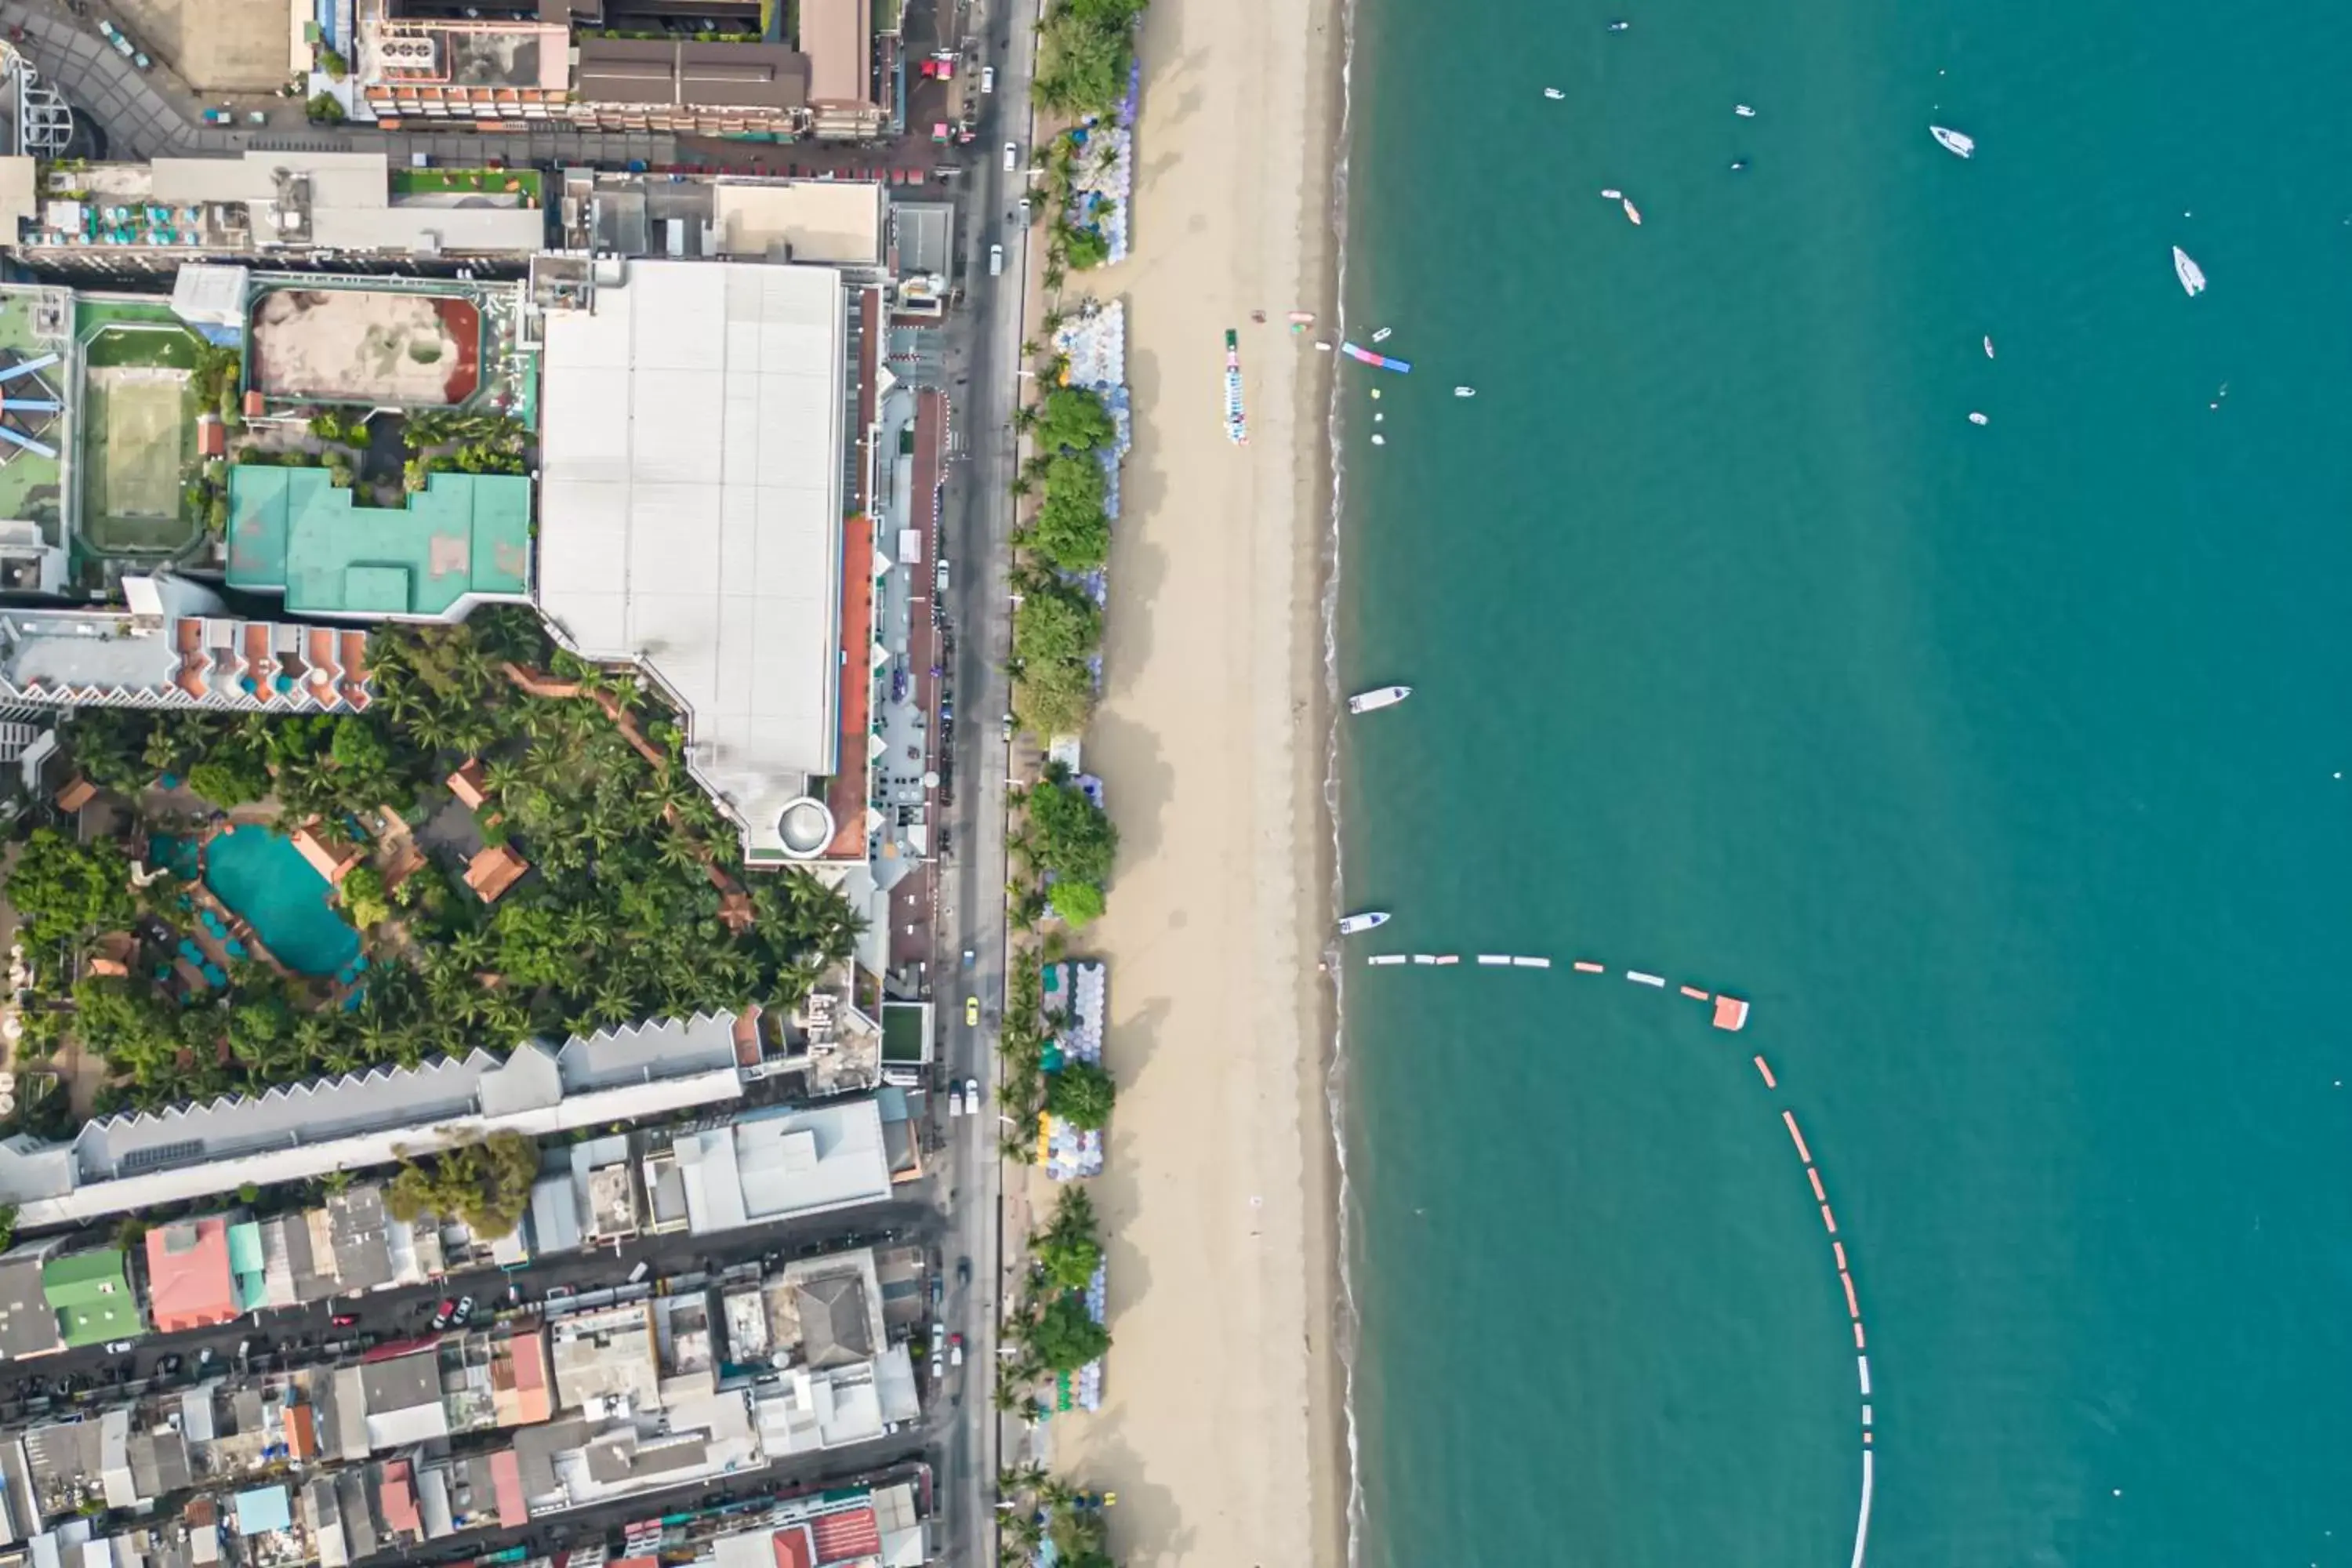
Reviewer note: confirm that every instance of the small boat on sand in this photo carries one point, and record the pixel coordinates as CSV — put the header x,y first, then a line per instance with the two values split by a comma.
x,y
1954,142
2191,276
1381,696
1632,213
1353,925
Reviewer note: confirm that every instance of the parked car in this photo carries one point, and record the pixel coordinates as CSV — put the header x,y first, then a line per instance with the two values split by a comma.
x,y
955,1350
218,117
995,260
955,1103
1011,156
988,79
170,1365
465,1311
119,1347
971,1096
343,1319
964,1271
442,1314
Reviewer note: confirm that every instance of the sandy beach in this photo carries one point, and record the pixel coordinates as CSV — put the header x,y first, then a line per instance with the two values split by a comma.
x,y
1222,1426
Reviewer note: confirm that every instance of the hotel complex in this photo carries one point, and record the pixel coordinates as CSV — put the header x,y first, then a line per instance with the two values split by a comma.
x,y
733,493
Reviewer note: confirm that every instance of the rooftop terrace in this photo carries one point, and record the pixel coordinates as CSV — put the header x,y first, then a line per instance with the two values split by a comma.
x,y
463,538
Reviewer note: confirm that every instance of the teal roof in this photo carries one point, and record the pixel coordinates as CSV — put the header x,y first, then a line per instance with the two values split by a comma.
x,y
291,531
247,1265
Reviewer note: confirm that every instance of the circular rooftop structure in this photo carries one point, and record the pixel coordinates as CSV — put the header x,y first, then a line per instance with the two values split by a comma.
x,y
805,827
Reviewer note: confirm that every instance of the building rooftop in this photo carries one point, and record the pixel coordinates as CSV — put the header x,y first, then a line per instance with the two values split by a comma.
x,y
464,539
29,1324
691,517
783,1164
150,1158
605,1360
189,1283
93,1298
174,648
839,37
672,72
834,223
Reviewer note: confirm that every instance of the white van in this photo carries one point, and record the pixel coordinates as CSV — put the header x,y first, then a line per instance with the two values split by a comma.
x,y
1011,156
995,260
988,79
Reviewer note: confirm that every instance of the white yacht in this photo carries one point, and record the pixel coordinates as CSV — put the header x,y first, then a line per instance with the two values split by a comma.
x,y
1953,141
1632,213
1352,925
1374,700
1987,348
1554,93
2191,276
1978,419
1742,110
1465,391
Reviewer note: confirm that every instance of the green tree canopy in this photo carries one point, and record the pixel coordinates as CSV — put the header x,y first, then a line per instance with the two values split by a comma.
x,y
1084,247
1081,1095
231,776
63,890
1072,418
1067,1248
1054,698
1056,622
364,897
1063,1337
1075,904
1067,834
486,1184
1071,529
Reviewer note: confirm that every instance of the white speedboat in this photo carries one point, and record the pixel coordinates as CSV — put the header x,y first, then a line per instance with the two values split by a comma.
x,y
1978,419
1987,348
1554,93
1465,391
2191,276
1742,110
1618,26
1382,335
1953,141
1374,700
1612,196
1632,213
1352,925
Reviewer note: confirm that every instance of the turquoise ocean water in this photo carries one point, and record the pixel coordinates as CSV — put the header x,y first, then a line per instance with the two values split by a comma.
x,y
1996,766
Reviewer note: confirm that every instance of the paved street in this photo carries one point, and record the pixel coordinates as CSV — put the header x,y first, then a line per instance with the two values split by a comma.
x,y
297,1336
979,521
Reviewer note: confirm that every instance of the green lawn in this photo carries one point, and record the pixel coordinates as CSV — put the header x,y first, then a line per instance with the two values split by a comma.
x,y
138,431
523,183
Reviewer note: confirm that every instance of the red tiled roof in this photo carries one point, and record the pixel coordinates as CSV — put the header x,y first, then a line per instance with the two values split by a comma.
x,y
793,1549
188,1283
397,1500
849,1533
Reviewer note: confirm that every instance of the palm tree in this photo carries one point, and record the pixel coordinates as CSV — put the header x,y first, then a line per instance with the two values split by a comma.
x,y
1029,348
1024,418
1021,486
1053,275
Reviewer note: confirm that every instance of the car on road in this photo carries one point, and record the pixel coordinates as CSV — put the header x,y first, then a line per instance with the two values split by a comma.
x,y
955,1350
1011,156
988,79
218,117
442,1314
964,1271
955,1101
464,1313
995,269
343,1319
119,1347
971,1012
971,1096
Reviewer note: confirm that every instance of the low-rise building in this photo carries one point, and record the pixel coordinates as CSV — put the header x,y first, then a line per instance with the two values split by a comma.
x,y
120,1164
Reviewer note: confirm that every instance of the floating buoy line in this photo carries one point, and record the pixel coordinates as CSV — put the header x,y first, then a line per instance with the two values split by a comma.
x,y
1730,1014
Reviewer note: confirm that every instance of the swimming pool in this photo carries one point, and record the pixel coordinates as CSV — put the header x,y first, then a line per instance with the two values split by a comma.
x,y
263,878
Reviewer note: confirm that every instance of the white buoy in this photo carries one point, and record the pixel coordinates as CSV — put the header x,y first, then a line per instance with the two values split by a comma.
x,y
1380,440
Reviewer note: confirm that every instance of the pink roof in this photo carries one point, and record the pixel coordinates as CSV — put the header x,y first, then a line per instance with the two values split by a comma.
x,y
506,1480
793,1548
397,1500
852,1532
188,1283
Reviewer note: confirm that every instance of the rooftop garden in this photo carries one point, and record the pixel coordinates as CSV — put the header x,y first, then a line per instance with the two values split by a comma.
x,y
613,897
515,187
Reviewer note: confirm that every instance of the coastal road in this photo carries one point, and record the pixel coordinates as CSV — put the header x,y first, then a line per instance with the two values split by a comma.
x,y
978,522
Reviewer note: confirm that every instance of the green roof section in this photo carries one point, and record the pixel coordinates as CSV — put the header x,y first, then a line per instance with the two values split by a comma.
x,y
248,1266
292,532
92,1298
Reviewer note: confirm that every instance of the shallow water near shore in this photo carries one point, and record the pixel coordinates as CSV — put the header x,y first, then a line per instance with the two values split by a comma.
x,y
1995,766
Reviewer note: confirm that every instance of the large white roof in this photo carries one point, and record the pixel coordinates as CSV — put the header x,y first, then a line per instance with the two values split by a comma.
x,y
690,431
